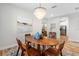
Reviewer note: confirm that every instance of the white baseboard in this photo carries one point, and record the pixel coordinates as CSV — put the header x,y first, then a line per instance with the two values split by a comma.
x,y
73,40
2,48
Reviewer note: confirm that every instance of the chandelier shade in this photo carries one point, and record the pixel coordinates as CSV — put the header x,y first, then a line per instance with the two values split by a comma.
x,y
40,12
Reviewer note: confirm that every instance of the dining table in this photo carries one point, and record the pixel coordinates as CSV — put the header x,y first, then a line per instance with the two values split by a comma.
x,y
45,41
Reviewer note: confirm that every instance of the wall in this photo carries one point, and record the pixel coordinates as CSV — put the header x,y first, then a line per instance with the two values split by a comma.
x,y
58,21
57,26
74,26
37,26
8,24
22,30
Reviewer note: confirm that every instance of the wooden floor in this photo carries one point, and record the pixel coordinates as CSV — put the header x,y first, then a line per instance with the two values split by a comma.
x,y
9,51
70,48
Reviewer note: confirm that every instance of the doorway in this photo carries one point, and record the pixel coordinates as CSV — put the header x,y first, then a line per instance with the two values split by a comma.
x,y
64,25
63,30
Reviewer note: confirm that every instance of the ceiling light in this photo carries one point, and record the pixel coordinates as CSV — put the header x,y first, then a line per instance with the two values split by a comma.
x,y
40,12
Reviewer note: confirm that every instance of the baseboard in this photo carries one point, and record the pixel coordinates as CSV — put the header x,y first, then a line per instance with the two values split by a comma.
x,y
3,48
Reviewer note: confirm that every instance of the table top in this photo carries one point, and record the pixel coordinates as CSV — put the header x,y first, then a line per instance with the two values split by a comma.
x,y
44,41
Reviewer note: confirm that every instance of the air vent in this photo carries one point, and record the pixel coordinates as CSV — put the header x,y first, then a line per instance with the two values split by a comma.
x,y
77,8
54,6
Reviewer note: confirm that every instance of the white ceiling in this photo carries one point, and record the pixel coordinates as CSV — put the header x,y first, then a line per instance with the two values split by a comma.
x,y
59,10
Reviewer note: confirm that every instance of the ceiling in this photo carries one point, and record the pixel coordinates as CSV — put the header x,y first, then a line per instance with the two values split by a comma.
x,y
53,9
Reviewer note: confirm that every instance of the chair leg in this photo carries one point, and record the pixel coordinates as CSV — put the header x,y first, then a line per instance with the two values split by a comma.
x,y
61,53
22,54
17,51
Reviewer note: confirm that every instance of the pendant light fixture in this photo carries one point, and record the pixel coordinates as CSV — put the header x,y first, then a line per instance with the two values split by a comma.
x,y
40,12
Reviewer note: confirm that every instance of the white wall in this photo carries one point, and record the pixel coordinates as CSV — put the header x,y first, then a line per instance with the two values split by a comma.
x,y
56,29
37,26
8,24
74,26
22,30
57,21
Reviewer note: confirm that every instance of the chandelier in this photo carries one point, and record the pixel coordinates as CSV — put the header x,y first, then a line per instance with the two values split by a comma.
x,y
40,12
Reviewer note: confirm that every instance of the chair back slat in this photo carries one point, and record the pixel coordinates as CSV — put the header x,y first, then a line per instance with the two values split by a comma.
x,y
21,45
61,46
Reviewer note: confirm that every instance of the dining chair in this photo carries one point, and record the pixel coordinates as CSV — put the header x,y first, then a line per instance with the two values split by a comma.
x,y
55,51
52,35
30,51
20,46
27,50
26,35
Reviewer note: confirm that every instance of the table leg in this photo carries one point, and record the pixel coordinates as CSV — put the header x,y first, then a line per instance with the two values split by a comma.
x,y
33,45
38,47
44,47
43,50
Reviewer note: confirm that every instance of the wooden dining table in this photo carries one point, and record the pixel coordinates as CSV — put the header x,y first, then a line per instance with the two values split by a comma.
x,y
42,42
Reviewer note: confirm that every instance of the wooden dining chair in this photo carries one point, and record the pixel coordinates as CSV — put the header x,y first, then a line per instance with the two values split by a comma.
x,y
27,50
54,51
52,35
26,35
30,51
20,46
